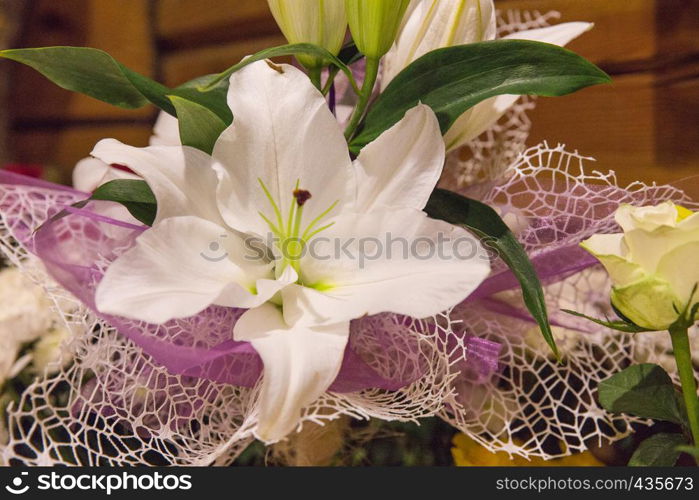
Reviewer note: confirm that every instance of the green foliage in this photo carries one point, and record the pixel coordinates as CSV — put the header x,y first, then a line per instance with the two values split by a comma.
x,y
645,391
199,126
134,194
484,221
618,325
660,450
454,79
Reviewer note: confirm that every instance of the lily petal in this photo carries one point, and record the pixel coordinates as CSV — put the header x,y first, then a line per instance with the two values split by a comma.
x,y
477,120
401,168
559,34
433,24
486,114
166,131
300,363
90,173
397,261
182,178
283,133
180,267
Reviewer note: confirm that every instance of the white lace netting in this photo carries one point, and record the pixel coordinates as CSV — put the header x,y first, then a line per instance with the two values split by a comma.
x,y
535,407
114,405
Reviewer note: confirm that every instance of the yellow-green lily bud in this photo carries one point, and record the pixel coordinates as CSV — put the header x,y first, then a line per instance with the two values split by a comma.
x,y
321,22
652,264
375,23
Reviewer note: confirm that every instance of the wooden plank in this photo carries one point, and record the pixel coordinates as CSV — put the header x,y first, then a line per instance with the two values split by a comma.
x,y
63,148
643,126
187,23
182,66
120,28
628,34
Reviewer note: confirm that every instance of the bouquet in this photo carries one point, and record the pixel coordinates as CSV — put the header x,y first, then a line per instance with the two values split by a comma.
x,y
362,234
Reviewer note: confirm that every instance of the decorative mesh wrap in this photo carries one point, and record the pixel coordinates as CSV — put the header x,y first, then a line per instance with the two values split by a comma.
x,y
535,407
482,366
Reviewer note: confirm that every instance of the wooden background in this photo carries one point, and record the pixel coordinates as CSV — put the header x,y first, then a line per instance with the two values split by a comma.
x,y
645,126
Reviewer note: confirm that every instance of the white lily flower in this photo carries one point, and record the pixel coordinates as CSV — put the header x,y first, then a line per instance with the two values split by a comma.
x,y
436,24
283,170
91,173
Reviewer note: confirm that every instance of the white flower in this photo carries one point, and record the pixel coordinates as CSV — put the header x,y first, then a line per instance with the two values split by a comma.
x,y
25,314
283,169
435,24
91,173
653,263
47,351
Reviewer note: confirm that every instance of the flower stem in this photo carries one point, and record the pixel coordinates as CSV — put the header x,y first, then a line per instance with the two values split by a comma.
x,y
372,72
315,75
683,358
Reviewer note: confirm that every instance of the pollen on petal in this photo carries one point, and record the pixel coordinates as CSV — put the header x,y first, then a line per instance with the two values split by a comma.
x,y
302,196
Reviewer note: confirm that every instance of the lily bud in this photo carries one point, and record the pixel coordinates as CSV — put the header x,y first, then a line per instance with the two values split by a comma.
x,y
321,22
374,24
652,264
435,24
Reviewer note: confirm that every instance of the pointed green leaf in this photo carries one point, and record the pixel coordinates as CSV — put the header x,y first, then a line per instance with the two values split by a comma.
x,y
95,73
134,194
690,450
454,79
486,222
215,99
281,51
659,450
644,390
199,126
620,325
88,71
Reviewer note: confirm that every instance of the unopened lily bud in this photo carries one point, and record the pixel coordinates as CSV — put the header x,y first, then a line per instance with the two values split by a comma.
x,y
435,24
321,22
652,264
375,23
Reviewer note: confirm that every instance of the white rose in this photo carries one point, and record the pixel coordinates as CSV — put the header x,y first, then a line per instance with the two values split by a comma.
x,y
653,264
25,311
47,351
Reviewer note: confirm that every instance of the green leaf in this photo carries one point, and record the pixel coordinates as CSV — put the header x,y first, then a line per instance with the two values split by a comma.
x,y
95,73
199,126
485,222
215,99
644,390
281,51
134,194
454,79
659,450
620,325
89,71
690,450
